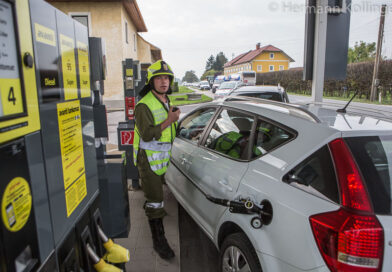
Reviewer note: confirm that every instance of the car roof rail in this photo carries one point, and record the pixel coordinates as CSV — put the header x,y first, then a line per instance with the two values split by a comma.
x,y
271,102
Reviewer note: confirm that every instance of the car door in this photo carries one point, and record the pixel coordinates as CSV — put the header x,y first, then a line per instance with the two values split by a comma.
x,y
217,172
190,132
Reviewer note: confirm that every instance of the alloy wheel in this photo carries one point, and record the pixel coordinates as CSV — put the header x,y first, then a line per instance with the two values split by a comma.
x,y
234,260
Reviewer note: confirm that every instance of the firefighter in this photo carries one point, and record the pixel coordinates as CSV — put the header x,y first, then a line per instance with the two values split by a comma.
x,y
155,130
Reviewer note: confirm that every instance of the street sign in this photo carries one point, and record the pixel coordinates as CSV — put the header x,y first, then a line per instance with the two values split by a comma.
x,y
127,137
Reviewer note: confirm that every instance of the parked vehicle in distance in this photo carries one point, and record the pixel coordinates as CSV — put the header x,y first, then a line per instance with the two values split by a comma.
x,y
217,81
280,187
226,87
248,77
204,85
276,93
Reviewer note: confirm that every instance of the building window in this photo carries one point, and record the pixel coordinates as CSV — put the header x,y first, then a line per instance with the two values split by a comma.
x,y
259,68
271,68
134,42
281,67
83,18
272,55
126,31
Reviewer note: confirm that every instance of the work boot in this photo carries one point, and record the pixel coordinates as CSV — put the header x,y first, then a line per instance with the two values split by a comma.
x,y
160,243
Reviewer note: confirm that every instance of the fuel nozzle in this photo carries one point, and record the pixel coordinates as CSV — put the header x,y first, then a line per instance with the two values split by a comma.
x,y
99,264
245,207
114,252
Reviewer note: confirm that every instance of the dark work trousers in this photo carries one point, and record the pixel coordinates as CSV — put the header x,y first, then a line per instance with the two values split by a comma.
x,y
152,186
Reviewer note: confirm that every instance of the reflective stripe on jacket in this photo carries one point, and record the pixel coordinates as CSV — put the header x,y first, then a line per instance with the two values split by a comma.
x,y
158,151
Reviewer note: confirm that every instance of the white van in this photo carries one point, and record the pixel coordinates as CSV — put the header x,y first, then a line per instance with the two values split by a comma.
x,y
248,77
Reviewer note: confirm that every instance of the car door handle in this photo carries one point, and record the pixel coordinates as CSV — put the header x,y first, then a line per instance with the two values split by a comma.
x,y
226,185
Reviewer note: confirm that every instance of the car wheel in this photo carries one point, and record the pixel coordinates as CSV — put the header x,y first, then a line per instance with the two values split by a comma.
x,y
238,254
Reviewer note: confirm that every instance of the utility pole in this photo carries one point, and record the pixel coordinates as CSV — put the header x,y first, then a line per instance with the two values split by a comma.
x,y
378,54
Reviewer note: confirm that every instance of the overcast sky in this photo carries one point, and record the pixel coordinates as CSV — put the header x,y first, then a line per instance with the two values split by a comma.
x,y
189,31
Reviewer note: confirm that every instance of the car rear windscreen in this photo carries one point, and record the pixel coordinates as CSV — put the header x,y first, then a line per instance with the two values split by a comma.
x,y
373,155
249,74
269,96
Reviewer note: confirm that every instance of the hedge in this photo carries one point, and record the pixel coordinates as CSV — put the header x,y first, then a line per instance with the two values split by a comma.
x,y
359,77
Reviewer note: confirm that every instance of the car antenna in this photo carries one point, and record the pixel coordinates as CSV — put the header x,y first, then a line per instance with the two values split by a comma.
x,y
343,110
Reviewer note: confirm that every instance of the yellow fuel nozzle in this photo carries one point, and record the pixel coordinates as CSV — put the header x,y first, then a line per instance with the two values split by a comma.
x,y
99,264
102,266
115,253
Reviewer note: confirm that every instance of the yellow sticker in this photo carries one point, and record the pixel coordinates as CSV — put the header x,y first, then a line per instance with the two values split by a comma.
x,y
16,204
71,141
84,70
11,96
67,49
75,194
129,72
45,35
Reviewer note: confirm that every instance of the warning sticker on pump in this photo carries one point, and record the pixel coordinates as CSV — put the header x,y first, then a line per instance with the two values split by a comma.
x,y
72,154
84,70
16,204
75,194
71,141
67,47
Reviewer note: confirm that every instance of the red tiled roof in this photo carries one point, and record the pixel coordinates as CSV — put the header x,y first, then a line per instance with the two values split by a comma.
x,y
235,59
248,56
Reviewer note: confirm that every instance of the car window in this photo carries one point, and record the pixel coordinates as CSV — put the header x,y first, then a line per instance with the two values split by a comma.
x,y
374,158
192,127
230,134
270,96
316,175
227,85
269,136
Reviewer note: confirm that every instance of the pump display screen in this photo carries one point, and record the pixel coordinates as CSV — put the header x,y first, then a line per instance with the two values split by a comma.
x,y
11,99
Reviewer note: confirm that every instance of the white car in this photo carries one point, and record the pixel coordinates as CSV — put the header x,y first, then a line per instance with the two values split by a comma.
x,y
204,85
280,188
225,88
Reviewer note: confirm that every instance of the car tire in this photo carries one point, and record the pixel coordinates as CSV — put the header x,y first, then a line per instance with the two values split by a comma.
x,y
238,244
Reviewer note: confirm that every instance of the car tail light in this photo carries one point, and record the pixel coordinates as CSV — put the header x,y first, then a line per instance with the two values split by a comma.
x,y
349,241
351,238
352,187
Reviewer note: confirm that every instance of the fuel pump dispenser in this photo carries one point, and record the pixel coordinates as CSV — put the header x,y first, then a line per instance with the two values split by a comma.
x,y
114,203
133,82
49,189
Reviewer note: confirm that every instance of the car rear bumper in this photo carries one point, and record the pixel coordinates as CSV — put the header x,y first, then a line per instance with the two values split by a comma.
x,y
270,263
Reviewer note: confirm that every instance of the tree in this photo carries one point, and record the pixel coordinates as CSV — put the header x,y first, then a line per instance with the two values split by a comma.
x,y
190,77
220,60
210,72
210,63
362,51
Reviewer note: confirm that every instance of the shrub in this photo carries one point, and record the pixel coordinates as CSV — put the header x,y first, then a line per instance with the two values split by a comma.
x,y
359,77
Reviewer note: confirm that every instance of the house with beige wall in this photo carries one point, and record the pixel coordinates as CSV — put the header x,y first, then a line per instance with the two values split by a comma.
x,y
119,23
261,60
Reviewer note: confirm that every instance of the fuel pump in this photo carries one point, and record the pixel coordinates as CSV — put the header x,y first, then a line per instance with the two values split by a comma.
x,y
125,131
49,195
114,203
